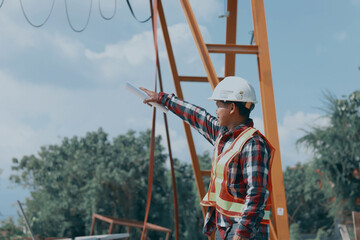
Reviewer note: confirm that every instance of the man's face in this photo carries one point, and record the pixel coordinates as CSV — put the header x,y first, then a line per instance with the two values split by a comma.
x,y
223,113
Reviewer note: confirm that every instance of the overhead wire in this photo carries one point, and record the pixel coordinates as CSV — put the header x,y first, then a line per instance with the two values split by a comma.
x,y
27,18
88,17
2,2
69,21
252,37
102,14
133,14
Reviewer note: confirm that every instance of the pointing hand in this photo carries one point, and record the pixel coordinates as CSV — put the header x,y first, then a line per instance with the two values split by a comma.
x,y
153,96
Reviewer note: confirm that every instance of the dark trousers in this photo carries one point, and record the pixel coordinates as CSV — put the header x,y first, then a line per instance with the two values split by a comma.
x,y
231,232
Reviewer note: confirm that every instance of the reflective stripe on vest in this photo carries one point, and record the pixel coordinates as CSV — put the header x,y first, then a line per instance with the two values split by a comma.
x,y
218,180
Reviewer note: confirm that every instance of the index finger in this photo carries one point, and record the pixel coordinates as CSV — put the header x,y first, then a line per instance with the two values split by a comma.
x,y
145,90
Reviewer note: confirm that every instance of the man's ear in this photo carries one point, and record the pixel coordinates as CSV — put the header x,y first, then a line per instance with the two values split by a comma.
x,y
232,108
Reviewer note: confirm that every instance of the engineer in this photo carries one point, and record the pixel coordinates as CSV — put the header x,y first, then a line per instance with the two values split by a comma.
x,y
238,196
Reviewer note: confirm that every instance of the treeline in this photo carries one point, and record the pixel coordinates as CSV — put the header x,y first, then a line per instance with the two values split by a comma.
x,y
323,192
81,176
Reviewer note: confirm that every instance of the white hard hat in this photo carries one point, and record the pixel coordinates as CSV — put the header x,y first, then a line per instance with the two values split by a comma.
x,y
234,89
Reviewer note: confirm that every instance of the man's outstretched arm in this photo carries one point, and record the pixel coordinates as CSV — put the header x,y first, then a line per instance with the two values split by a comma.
x,y
206,124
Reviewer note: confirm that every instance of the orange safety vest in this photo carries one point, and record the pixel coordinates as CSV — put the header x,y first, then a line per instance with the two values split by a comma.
x,y
218,195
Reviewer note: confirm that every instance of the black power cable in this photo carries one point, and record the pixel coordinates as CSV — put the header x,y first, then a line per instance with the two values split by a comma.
x,y
2,3
69,21
88,18
27,18
252,37
132,13
102,14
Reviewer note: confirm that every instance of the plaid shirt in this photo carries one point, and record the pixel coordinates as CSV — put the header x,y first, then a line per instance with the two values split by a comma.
x,y
248,171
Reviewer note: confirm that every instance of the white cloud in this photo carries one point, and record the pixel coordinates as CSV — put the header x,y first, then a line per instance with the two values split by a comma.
x,y
35,115
134,51
19,38
340,36
125,58
14,36
68,47
294,123
207,9
291,129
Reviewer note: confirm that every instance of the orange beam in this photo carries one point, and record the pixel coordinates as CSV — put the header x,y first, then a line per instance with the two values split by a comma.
x,y
200,44
232,48
230,37
195,79
278,199
273,235
206,173
188,134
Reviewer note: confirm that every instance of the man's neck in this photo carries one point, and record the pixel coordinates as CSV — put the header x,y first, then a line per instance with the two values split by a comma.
x,y
235,123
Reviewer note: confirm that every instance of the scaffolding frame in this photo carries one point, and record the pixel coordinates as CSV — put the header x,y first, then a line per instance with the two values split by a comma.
x,y
279,226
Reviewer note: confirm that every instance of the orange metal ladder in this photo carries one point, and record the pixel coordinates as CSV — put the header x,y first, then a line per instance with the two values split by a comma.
x,y
279,227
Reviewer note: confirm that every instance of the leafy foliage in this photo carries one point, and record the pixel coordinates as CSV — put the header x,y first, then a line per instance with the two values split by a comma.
x,y
191,218
9,230
336,150
81,176
306,202
295,232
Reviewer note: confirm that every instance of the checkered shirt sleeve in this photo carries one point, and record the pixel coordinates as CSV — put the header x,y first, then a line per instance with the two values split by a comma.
x,y
206,124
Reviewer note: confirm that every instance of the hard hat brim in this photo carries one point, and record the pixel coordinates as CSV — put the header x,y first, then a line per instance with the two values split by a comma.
x,y
227,100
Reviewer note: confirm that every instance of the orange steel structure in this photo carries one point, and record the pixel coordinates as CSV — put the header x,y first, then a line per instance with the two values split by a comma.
x,y
279,226
128,224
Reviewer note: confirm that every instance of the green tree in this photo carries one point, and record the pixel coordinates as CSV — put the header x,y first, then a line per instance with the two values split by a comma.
x,y
295,233
190,214
336,150
9,230
81,176
306,202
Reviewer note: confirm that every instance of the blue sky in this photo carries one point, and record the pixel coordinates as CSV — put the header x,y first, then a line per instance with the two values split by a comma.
x,y
56,83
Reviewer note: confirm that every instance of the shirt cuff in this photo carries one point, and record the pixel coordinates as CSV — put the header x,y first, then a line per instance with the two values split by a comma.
x,y
160,96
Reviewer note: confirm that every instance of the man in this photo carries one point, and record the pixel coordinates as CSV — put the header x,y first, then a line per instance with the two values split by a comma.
x,y
237,199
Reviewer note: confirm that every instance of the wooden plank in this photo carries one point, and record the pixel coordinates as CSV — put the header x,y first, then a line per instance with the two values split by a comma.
x,y
200,44
232,48
230,37
278,199
356,222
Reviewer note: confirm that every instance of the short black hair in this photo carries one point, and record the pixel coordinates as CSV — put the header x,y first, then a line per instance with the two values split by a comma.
x,y
245,112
